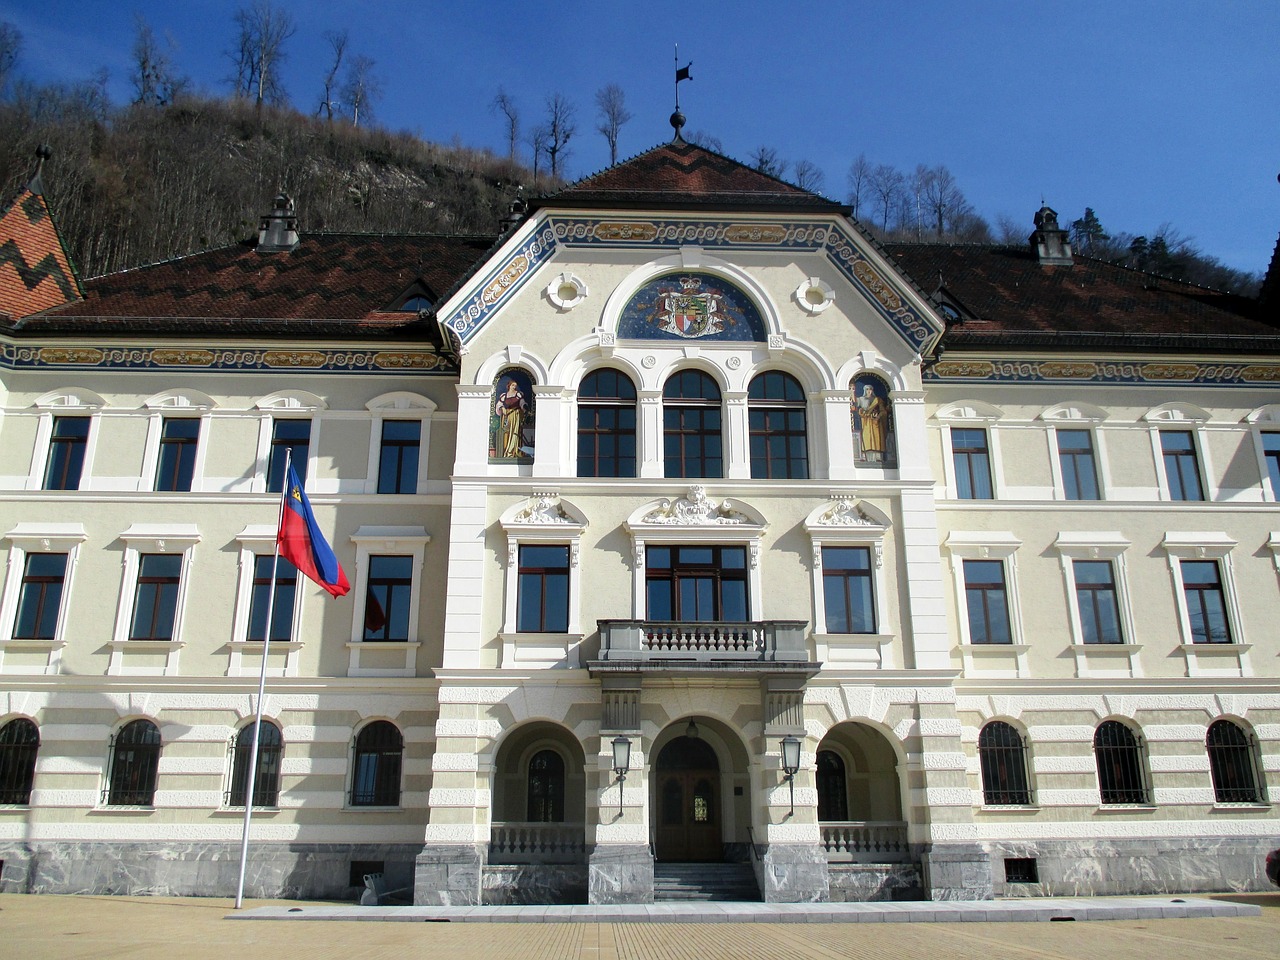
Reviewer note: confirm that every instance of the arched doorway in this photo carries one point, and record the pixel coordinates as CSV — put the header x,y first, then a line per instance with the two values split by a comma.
x,y
688,802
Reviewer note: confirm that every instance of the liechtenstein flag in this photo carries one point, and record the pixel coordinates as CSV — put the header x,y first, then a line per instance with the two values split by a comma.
x,y
302,543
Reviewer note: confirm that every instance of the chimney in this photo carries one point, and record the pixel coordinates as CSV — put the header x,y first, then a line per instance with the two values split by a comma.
x,y
278,232
1049,241
515,213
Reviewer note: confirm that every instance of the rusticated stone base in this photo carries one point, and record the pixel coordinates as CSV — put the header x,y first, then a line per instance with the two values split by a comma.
x,y
869,882
1103,868
509,885
620,873
956,871
448,875
295,871
793,873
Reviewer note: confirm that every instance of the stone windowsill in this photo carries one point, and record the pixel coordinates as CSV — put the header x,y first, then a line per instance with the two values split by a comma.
x,y
257,644
1243,807
991,649
121,810
1127,808
383,644
239,811
1107,648
32,643
994,808
349,808
152,646
1224,649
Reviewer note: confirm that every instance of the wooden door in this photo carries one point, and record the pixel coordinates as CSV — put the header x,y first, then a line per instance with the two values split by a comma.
x,y
688,802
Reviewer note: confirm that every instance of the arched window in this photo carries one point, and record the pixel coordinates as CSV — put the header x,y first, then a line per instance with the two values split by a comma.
x,y
606,425
779,437
135,760
693,445
546,787
266,783
375,781
833,793
1002,754
1232,763
19,743
1118,753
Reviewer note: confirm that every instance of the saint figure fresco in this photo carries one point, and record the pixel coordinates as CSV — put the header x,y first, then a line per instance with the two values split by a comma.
x,y
871,413
511,417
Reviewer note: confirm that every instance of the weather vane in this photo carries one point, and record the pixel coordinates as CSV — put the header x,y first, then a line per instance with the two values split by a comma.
x,y
682,73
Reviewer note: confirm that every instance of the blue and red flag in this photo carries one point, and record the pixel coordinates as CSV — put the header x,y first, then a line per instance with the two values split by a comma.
x,y
302,543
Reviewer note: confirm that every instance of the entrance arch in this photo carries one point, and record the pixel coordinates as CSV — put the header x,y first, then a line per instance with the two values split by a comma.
x,y
688,802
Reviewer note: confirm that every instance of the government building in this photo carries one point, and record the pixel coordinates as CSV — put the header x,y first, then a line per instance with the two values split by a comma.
x,y
699,545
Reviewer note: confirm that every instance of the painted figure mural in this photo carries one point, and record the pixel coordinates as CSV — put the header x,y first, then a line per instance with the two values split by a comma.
x,y
511,423
690,306
871,413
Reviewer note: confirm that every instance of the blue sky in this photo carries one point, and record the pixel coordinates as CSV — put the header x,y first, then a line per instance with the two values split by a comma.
x,y
1149,112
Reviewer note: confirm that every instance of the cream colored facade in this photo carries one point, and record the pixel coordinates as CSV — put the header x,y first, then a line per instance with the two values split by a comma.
x,y
476,699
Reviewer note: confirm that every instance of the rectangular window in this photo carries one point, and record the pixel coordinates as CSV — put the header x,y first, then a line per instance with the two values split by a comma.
x,y
398,461
179,437
1271,451
542,600
847,591
972,462
1181,469
1206,606
288,436
606,440
386,611
704,584
1079,471
1097,602
67,444
155,603
41,596
282,611
987,602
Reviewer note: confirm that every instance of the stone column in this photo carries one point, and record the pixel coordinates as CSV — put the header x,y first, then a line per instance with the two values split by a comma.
x,y
620,865
649,434
737,436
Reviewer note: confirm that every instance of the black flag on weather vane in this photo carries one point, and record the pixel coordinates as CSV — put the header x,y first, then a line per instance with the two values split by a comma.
x,y
682,73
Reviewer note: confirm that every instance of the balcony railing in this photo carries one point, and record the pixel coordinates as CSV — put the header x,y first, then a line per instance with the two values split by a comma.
x,y
759,641
865,841
537,843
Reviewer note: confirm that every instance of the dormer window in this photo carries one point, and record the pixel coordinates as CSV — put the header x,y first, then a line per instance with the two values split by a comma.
x,y
414,304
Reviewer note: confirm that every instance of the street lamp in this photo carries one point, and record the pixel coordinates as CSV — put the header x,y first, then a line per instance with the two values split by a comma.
x,y
790,764
621,764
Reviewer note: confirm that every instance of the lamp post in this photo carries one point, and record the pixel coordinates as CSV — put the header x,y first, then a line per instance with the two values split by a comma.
x,y
790,764
621,764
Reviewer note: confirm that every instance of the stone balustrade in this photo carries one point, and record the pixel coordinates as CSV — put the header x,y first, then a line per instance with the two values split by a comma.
x,y
758,641
515,842
865,841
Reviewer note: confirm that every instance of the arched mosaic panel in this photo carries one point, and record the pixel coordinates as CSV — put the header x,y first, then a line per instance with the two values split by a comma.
x,y
875,441
511,417
691,306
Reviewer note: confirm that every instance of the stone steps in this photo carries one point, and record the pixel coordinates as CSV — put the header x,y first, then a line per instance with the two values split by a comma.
x,y
685,882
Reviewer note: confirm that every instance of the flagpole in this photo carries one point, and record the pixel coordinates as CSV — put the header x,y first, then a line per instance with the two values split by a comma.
x,y
251,780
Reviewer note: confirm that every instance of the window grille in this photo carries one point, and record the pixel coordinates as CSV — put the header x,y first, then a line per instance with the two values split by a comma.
x,y
266,783
1002,755
135,761
1233,764
1118,753
378,752
19,744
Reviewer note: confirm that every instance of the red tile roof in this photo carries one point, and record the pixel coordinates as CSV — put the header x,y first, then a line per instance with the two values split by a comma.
x,y
680,174
35,273
1009,299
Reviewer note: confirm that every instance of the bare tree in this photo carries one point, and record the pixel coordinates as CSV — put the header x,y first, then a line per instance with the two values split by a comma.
x,y
945,202
1009,232
155,83
859,180
611,104
10,47
704,139
337,40
537,145
362,89
765,160
807,176
886,187
560,126
504,105
258,55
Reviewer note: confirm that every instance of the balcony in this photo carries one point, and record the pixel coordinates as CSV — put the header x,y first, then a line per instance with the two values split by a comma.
x,y
511,842
865,841
672,646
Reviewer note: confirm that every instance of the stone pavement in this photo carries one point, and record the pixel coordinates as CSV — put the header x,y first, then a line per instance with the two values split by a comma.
x,y
158,928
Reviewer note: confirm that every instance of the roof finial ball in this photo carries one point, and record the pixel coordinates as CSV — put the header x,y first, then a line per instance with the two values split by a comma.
x,y
677,121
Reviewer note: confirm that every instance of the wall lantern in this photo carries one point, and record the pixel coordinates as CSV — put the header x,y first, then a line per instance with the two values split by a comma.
x,y
790,764
621,764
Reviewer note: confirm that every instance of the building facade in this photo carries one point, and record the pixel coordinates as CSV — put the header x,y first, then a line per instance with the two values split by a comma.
x,y
680,473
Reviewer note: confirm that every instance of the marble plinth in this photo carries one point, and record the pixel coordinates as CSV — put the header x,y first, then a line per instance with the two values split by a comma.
x,y
620,873
956,871
448,875
793,873
293,871
1103,868
875,882
519,884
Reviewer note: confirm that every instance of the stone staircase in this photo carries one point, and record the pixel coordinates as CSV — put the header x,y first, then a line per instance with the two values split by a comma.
x,y
704,881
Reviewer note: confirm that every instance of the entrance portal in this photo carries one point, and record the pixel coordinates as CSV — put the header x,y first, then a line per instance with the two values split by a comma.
x,y
688,802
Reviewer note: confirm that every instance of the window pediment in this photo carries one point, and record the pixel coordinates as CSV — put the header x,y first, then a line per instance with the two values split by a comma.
x,y
544,510
696,511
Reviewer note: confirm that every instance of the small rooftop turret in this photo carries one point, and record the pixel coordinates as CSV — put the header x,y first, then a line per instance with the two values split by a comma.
x,y
278,232
1049,241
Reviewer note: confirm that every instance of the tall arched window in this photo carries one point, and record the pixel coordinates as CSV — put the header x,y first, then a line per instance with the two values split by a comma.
x,y
833,793
1232,763
19,744
779,436
1002,756
1118,753
135,761
606,425
266,782
375,780
546,787
693,445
